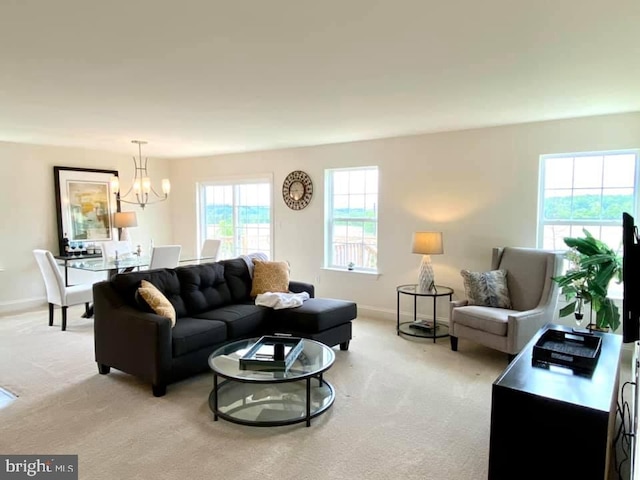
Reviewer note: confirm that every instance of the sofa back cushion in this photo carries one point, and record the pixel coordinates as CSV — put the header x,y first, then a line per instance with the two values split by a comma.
x,y
203,287
236,273
164,279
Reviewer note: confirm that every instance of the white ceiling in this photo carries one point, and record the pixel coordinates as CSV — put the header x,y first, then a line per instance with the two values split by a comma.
x,y
205,77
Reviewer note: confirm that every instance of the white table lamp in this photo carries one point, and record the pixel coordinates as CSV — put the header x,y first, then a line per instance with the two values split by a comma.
x,y
125,220
427,244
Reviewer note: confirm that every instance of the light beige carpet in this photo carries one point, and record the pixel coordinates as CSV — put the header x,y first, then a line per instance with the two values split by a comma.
x,y
404,409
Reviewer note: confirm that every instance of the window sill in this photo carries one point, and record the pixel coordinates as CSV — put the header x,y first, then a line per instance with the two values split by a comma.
x,y
353,272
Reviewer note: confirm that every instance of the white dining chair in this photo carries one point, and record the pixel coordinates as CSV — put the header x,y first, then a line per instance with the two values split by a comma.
x,y
210,249
57,292
123,247
165,256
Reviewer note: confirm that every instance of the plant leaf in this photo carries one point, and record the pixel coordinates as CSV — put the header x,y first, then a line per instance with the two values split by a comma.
x,y
608,315
568,310
585,246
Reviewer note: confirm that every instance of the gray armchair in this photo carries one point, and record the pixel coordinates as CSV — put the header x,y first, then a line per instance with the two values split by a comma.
x,y
534,299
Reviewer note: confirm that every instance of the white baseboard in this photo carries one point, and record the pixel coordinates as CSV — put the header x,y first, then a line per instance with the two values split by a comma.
x,y
17,306
391,315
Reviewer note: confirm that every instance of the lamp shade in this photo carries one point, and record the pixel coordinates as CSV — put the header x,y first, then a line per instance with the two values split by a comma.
x,y
125,219
427,243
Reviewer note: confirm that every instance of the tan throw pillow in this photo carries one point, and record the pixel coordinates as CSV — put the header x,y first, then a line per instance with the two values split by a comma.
x,y
269,277
157,301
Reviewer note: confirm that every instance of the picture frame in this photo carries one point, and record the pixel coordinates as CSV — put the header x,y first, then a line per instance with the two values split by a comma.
x,y
85,205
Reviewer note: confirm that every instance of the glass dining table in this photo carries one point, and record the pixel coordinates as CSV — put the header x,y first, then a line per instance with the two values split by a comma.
x,y
95,263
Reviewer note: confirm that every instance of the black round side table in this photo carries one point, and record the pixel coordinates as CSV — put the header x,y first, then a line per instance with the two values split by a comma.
x,y
424,328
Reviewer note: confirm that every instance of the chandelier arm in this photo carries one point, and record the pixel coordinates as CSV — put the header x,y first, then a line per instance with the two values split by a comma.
x,y
163,196
150,202
121,195
122,200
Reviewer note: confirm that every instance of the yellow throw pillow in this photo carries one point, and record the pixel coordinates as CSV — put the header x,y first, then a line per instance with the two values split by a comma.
x,y
269,277
157,301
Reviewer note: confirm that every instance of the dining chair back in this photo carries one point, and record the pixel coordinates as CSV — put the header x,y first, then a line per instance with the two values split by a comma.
x,y
57,292
210,249
165,256
123,247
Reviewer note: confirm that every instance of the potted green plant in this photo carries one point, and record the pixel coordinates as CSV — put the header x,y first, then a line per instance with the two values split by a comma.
x,y
593,265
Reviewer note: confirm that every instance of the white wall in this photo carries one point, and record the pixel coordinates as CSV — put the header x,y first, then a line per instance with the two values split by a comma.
x,y
28,212
479,187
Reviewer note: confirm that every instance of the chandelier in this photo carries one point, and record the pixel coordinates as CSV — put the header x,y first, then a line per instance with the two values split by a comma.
x,y
141,186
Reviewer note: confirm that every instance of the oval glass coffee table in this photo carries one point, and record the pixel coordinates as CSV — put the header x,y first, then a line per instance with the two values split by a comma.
x,y
271,398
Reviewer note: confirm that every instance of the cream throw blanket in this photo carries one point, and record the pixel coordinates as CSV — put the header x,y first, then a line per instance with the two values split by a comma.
x,y
279,300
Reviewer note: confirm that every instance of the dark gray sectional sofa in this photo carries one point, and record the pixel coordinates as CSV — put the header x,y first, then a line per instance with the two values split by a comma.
x,y
213,306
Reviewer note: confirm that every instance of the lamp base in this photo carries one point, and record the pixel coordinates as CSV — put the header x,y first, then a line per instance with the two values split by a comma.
x,y
124,235
426,277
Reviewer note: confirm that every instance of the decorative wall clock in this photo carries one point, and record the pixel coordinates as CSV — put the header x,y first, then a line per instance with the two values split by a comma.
x,y
297,190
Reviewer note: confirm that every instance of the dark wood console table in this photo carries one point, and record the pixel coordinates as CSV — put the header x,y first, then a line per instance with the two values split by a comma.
x,y
553,423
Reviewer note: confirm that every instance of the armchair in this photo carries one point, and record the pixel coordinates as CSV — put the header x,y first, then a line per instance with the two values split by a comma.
x,y
533,295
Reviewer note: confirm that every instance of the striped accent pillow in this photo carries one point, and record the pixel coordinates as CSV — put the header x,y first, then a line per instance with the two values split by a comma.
x,y
488,289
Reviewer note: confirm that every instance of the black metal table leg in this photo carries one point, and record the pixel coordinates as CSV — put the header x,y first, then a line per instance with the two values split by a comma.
x,y
435,326
215,397
398,313
308,401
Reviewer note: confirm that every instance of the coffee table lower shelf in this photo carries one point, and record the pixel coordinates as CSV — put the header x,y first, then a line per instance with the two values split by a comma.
x,y
270,404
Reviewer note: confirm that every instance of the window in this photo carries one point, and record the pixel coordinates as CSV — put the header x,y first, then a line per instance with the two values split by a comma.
x,y
238,213
586,191
352,218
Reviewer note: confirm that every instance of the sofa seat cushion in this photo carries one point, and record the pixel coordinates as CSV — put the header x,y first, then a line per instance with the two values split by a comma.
x,y
191,334
487,319
203,287
242,320
314,315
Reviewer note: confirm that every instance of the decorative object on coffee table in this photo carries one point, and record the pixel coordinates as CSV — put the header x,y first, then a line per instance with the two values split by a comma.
x,y
427,244
272,353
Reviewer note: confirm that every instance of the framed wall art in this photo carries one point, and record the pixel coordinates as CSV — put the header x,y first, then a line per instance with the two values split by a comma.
x,y
85,205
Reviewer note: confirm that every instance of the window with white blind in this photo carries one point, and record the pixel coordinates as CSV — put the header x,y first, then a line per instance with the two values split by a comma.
x,y
586,191
239,213
352,218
